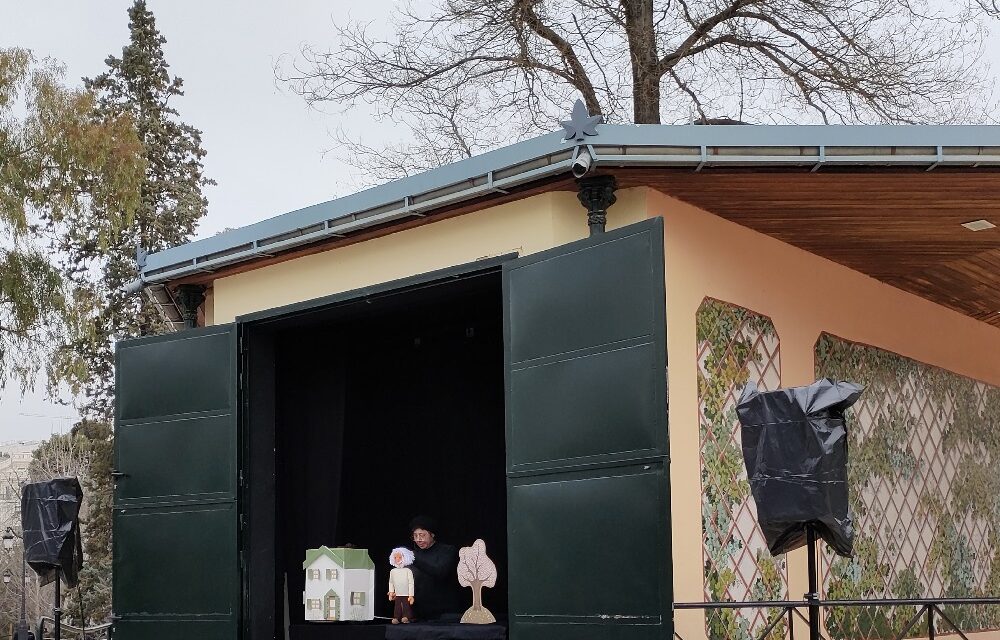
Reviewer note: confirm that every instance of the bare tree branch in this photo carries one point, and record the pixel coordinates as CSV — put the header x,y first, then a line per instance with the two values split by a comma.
x,y
580,80
694,97
467,75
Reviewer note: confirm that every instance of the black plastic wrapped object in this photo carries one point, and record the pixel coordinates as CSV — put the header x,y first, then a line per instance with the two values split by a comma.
x,y
795,450
50,520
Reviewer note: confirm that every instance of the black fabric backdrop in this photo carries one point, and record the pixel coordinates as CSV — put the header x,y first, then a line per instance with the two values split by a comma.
x,y
389,415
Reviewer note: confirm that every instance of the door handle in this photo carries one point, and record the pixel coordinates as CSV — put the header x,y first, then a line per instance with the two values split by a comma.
x,y
118,474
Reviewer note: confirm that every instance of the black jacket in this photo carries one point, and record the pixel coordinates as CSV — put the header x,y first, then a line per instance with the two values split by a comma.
x,y
436,581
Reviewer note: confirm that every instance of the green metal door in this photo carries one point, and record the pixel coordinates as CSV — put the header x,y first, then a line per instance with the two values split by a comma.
x,y
176,564
587,466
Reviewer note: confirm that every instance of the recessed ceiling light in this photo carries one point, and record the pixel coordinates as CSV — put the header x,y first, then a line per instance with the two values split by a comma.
x,y
978,225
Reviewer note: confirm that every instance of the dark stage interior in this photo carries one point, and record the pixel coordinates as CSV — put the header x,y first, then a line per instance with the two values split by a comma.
x,y
383,409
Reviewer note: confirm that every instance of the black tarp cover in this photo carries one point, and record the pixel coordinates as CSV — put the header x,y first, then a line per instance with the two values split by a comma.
x,y
50,521
795,450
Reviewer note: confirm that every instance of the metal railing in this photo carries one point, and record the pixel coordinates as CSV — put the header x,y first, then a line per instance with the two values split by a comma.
x,y
932,609
68,631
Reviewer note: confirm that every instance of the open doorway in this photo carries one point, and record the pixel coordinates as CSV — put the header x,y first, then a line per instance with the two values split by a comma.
x,y
377,409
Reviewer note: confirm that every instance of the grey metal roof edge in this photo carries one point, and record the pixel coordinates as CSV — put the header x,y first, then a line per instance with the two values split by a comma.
x,y
697,146
364,200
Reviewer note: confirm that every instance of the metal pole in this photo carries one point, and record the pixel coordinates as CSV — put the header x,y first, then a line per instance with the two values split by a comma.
x,y
930,622
22,625
24,579
57,610
813,596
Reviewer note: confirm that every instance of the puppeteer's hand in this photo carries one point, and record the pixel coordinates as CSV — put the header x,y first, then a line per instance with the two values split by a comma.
x,y
410,599
392,596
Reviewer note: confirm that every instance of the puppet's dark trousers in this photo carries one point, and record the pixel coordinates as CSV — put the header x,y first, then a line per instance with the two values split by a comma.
x,y
402,609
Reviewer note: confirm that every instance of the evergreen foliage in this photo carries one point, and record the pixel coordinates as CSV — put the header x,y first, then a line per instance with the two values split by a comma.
x,y
137,86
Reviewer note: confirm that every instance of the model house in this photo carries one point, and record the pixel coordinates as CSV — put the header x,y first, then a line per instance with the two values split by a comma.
x,y
339,584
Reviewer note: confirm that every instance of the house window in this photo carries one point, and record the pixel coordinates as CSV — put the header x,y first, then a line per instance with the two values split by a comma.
x,y
358,598
314,574
332,574
315,603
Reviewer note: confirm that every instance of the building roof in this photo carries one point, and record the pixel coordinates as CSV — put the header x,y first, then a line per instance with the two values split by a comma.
x,y
691,146
346,558
883,200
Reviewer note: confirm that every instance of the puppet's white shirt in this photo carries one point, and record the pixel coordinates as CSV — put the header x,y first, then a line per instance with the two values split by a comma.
x,y
401,581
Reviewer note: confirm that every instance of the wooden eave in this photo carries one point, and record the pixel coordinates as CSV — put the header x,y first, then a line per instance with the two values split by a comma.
x,y
900,226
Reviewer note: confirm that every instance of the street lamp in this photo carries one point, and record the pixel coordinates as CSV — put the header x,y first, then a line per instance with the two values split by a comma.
x,y
21,631
7,575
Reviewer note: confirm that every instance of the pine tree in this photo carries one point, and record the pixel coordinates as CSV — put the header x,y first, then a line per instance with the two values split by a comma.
x,y
137,85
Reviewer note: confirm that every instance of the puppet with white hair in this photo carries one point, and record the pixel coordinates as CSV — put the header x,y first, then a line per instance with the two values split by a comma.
x,y
401,584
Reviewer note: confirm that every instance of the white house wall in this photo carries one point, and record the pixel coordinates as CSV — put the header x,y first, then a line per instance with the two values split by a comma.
x,y
362,580
317,589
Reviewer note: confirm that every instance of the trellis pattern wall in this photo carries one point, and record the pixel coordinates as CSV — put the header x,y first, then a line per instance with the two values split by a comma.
x,y
735,345
924,453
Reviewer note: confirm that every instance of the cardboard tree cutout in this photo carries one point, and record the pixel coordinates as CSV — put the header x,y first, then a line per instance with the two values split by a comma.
x,y
476,570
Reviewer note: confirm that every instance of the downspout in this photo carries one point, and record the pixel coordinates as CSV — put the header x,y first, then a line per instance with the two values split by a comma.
x,y
139,283
190,297
597,194
135,286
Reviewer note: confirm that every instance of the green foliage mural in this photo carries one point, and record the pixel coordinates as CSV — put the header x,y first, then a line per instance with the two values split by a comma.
x,y
735,345
924,443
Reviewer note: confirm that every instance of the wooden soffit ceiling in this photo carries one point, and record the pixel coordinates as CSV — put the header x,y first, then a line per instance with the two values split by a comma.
x,y
903,227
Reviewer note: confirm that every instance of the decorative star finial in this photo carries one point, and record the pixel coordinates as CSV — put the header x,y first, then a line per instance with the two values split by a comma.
x,y
581,123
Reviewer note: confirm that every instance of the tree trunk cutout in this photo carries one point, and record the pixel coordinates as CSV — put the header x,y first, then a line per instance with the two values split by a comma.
x,y
476,570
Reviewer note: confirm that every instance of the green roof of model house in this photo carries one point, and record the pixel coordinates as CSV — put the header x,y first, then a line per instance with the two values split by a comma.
x,y
346,558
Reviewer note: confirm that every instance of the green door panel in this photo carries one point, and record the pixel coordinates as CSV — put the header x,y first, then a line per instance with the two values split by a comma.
x,y
587,439
151,452
599,298
610,401
578,537
599,630
189,546
176,533
173,630
183,374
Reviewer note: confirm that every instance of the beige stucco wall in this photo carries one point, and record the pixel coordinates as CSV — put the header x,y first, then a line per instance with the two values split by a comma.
x,y
707,256
525,226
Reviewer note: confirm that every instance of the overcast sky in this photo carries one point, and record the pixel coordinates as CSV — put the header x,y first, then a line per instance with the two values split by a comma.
x,y
265,148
